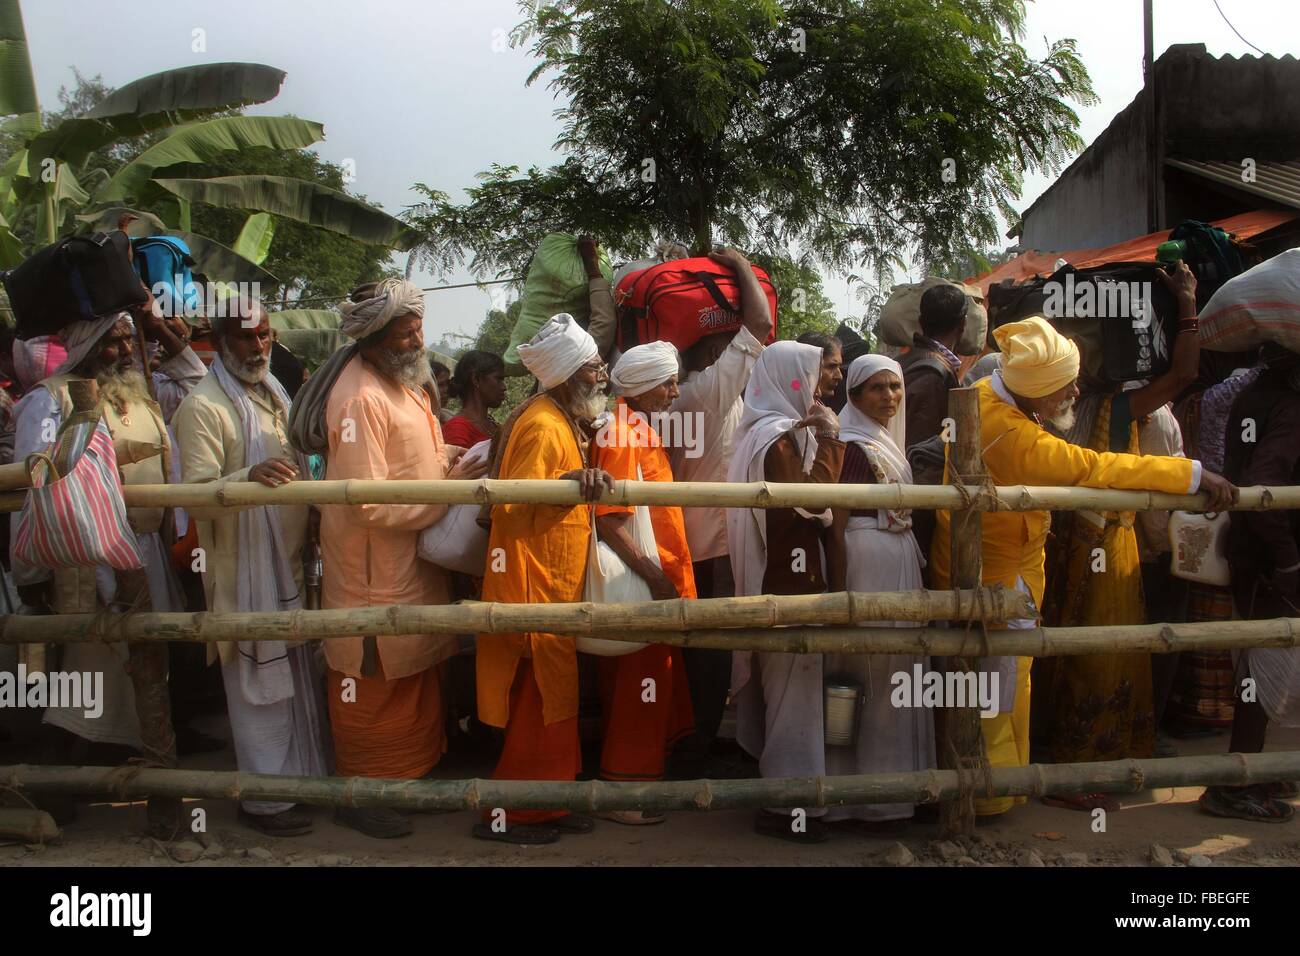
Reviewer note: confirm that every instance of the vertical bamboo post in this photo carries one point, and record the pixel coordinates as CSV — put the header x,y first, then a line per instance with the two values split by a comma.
x,y
960,739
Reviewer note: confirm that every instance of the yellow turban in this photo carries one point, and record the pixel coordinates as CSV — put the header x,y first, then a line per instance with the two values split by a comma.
x,y
1036,359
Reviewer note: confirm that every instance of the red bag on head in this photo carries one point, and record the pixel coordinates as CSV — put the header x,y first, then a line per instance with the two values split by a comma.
x,y
681,302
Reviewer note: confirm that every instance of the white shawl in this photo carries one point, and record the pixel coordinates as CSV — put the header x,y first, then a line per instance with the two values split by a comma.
x,y
780,394
266,581
883,445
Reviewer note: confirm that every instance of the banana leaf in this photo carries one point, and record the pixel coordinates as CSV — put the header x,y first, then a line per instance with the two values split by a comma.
x,y
254,241
17,82
299,200
50,214
311,334
204,141
221,263
202,88
105,220
25,125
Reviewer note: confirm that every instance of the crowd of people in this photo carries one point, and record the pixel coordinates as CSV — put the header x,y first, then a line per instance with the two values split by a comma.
x,y
383,706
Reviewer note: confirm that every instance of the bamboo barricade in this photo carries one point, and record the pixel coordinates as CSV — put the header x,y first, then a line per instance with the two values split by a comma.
x,y
755,494
958,731
925,786
633,621
209,627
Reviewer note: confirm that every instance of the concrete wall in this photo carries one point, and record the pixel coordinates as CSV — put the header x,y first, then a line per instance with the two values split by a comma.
x,y
1210,108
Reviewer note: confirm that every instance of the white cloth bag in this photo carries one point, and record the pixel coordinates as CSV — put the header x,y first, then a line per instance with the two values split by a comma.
x,y
457,542
610,581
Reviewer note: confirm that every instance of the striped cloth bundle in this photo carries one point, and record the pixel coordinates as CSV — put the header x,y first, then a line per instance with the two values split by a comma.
x,y
77,519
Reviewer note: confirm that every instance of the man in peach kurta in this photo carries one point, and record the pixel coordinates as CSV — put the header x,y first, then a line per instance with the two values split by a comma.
x,y
645,697
385,695
537,554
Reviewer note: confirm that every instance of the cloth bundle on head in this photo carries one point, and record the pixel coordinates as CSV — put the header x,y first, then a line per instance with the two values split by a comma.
x,y
1036,359
36,359
393,298
644,367
559,349
80,338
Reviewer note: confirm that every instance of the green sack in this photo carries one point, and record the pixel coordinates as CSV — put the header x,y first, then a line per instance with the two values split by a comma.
x,y
556,282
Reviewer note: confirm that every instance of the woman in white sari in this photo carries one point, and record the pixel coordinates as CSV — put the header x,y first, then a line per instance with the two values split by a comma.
x,y
874,550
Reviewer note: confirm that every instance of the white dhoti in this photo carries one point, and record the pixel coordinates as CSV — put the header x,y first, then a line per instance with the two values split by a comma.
x,y
118,722
286,737
890,739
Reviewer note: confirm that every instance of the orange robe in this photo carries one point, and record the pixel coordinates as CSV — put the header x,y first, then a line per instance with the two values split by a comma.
x,y
388,721
537,554
642,721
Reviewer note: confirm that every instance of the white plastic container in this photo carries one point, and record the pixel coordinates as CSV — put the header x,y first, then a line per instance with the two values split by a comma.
x,y
1199,547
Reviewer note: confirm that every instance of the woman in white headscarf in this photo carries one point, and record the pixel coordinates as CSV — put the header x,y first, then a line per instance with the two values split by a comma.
x,y
874,550
785,435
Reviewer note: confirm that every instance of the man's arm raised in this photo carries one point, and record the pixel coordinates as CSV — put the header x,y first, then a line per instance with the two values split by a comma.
x,y
756,313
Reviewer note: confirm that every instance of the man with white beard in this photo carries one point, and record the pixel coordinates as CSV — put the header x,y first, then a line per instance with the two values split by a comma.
x,y
102,350
380,417
1037,386
233,427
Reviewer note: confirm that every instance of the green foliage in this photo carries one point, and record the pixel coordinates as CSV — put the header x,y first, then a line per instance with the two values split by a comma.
x,y
310,263
801,304
822,125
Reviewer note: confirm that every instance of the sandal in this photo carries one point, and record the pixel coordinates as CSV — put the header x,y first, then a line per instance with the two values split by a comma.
x,y
1245,803
570,823
1283,789
525,834
1086,802
633,818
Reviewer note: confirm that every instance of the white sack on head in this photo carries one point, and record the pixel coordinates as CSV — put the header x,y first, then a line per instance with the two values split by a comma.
x,y
644,367
80,338
559,349
1260,305
393,298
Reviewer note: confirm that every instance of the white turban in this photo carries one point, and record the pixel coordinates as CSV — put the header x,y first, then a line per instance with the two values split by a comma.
x,y
559,349
81,337
643,367
393,298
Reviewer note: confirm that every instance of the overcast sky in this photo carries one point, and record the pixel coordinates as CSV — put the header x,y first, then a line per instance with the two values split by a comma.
x,y
426,91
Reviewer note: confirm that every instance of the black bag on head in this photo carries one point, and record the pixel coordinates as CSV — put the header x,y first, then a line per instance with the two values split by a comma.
x,y
76,278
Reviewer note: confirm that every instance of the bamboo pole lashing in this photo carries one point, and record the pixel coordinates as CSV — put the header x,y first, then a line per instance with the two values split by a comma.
x,y
925,786
681,493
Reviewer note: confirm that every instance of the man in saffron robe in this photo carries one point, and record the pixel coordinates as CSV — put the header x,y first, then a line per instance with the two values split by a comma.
x,y
385,694
643,720
537,554
1037,384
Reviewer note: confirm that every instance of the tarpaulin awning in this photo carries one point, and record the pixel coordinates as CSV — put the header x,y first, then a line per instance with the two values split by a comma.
x,y
1142,249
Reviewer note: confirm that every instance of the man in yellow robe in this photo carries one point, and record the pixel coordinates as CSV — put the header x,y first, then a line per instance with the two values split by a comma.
x,y
537,554
1037,384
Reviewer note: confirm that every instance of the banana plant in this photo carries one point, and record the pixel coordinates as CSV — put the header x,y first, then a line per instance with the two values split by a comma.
x,y
49,181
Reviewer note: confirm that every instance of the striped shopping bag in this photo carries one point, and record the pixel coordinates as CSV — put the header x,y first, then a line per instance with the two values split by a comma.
x,y
77,519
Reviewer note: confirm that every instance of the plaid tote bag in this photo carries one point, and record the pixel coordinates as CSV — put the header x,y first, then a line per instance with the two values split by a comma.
x,y
77,519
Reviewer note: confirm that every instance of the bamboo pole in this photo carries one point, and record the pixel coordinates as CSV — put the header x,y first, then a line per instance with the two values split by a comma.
x,y
758,494
630,621
961,742
925,786
911,641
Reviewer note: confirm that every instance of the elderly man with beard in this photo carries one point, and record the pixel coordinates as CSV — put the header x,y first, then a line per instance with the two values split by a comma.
x,y
381,419
232,427
1036,386
102,350
537,554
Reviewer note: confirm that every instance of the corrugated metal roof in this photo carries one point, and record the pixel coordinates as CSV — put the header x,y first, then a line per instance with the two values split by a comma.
x,y
1279,182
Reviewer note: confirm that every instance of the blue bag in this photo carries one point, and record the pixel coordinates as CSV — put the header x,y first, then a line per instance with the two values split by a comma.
x,y
164,264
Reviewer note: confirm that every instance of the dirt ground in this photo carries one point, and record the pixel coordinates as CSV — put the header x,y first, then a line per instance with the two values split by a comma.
x,y
107,834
